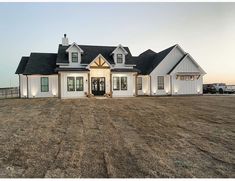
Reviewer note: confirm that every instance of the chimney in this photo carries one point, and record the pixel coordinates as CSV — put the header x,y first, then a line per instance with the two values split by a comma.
x,y
65,41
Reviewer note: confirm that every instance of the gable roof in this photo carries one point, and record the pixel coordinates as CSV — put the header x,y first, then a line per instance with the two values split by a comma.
x,y
177,63
22,65
90,52
149,60
41,63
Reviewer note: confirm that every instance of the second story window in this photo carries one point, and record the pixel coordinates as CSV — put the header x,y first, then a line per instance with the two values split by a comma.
x,y
119,58
74,57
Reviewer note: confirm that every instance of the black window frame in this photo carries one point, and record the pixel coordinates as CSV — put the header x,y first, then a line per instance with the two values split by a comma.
x,y
43,86
120,59
139,83
79,84
160,82
73,84
74,58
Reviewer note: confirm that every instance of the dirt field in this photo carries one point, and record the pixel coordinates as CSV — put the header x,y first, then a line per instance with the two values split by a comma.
x,y
134,137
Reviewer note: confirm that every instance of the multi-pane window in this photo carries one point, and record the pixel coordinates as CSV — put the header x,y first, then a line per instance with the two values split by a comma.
x,y
116,84
160,82
139,83
79,83
187,77
70,84
119,83
73,82
123,83
74,57
119,58
44,84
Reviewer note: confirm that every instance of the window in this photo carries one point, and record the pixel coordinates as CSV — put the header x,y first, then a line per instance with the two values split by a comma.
x,y
139,83
119,58
44,84
123,83
79,83
160,82
116,84
74,57
70,84
187,77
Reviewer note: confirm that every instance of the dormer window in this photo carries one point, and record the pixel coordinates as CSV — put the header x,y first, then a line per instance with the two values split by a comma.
x,y
74,57
119,58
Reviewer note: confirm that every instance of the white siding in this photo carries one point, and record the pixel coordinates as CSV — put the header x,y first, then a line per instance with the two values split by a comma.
x,y
23,86
73,94
34,86
181,87
74,64
119,51
130,85
162,69
145,85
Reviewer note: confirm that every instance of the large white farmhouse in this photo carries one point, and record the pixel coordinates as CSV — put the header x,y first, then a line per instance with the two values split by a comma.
x,y
81,70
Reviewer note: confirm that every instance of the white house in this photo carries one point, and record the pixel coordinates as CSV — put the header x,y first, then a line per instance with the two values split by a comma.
x,y
81,70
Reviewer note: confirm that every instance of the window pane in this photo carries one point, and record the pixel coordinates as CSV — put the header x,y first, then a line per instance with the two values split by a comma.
x,y
79,83
119,58
139,83
74,57
116,83
160,82
44,84
123,83
71,84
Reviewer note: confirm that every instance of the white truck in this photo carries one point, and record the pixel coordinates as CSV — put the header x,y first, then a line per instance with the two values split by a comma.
x,y
223,88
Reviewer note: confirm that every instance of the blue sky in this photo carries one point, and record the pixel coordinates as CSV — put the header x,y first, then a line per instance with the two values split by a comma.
x,y
205,30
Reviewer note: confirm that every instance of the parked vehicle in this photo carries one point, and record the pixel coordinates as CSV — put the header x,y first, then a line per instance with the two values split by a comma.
x,y
222,88
209,88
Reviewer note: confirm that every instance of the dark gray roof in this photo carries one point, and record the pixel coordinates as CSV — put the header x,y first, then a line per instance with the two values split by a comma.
x,y
22,65
70,69
125,70
177,63
91,52
41,63
148,60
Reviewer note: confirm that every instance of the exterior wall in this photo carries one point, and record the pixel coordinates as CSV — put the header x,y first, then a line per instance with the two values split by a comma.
x,y
119,51
145,85
130,85
186,87
34,86
23,86
74,49
162,69
101,73
73,94
180,87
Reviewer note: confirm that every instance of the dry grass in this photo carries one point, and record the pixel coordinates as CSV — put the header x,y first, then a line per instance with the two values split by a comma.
x,y
135,137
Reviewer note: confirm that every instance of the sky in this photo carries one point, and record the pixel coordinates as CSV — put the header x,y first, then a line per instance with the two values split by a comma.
x,y
205,30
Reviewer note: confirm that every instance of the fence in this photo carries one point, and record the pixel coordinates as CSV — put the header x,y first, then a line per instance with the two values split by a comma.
x,y
9,92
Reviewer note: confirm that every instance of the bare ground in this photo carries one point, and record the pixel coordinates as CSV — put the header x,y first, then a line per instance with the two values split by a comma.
x,y
132,137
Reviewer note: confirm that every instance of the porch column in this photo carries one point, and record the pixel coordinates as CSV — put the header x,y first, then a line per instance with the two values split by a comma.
x,y
88,84
111,92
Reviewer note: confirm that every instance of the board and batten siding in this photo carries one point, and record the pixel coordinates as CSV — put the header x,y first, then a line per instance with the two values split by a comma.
x,y
34,86
162,70
145,85
130,92
73,94
181,87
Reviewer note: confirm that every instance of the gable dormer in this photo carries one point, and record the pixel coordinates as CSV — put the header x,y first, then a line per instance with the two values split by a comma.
x,y
74,54
119,55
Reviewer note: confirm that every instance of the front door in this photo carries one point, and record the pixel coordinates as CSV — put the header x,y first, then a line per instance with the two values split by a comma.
x,y
98,86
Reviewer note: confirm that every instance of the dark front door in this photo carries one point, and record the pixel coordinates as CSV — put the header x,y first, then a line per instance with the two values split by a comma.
x,y
98,86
